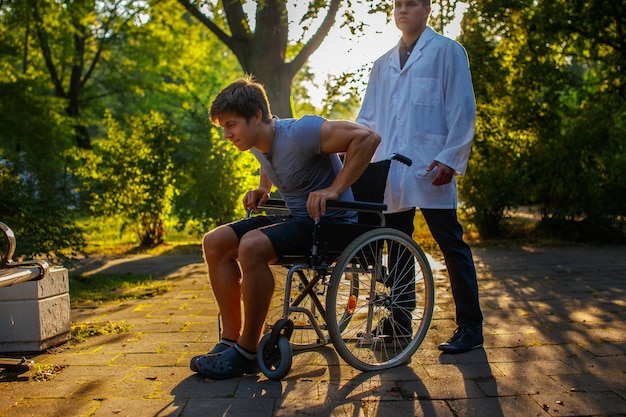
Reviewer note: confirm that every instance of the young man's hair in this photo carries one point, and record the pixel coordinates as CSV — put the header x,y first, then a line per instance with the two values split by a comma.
x,y
244,97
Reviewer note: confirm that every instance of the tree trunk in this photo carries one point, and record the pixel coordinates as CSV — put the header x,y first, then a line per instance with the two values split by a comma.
x,y
263,53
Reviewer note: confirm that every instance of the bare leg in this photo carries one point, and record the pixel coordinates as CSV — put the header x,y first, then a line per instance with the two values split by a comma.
x,y
220,247
255,253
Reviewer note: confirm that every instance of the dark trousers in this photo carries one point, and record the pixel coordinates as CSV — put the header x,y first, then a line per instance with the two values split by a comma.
x,y
448,233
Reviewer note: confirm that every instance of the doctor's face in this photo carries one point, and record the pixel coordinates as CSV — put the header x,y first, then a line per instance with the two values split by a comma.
x,y
411,16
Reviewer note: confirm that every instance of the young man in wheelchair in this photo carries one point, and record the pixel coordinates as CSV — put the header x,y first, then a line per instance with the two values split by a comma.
x,y
299,157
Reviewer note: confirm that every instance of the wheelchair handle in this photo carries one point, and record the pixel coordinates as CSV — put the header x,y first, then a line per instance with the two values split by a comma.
x,y
399,157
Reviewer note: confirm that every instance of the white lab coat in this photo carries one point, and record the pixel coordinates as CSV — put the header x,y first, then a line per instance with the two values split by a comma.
x,y
425,111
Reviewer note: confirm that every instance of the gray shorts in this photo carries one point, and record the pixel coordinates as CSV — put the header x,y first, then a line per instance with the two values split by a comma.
x,y
286,233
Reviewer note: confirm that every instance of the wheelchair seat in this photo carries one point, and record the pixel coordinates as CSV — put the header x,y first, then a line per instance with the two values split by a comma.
x,y
330,239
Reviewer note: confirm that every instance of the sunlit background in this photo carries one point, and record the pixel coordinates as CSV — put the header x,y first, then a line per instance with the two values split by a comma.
x,y
342,52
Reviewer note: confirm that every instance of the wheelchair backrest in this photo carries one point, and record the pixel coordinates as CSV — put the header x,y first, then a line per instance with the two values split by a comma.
x,y
370,187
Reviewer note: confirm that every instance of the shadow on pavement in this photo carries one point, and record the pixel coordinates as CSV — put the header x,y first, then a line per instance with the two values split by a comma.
x,y
306,390
476,370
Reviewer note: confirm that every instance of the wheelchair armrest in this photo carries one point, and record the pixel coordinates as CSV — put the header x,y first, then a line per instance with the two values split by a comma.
x,y
363,206
275,203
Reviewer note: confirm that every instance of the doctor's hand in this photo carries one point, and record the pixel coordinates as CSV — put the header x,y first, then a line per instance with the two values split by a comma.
x,y
316,204
443,175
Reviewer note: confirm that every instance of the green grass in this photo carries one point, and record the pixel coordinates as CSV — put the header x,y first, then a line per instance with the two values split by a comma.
x,y
91,290
106,236
82,331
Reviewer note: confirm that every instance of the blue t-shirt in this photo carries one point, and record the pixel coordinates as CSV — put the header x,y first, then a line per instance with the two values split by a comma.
x,y
296,165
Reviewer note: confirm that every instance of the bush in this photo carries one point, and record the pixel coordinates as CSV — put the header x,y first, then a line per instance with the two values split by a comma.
x,y
41,219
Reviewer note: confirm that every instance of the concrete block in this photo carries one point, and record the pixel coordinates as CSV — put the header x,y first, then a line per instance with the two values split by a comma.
x,y
57,282
35,315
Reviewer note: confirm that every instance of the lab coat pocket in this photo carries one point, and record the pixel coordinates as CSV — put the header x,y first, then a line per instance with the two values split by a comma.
x,y
425,91
427,148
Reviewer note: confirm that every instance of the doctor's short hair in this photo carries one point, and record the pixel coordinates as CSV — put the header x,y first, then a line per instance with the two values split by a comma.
x,y
244,97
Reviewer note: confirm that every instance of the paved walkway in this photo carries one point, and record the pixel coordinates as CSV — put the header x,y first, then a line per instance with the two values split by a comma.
x,y
555,333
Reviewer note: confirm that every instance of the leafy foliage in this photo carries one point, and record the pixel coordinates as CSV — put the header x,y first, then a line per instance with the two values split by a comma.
x,y
551,102
133,64
133,175
260,39
35,201
39,217
111,95
214,177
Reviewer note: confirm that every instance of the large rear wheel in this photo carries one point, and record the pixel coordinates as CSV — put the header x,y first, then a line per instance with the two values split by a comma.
x,y
380,300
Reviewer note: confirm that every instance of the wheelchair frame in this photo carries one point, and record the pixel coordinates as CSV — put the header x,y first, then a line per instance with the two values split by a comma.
x,y
380,275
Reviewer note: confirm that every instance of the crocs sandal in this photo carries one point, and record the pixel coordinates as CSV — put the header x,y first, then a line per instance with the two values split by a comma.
x,y
220,347
227,364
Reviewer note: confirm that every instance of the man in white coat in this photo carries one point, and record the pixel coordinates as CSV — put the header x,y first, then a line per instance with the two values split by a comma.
x,y
420,100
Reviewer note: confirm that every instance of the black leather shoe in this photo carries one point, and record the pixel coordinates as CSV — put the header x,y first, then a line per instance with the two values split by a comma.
x,y
463,340
394,328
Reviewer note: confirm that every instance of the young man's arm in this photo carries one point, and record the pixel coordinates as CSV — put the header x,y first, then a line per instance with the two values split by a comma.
x,y
255,198
358,143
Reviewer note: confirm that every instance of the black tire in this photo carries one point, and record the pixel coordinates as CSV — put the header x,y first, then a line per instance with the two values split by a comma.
x,y
384,282
275,361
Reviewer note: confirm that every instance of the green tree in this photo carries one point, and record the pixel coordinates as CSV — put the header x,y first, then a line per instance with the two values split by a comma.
x,y
42,224
496,176
215,177
68,41
133,60
35,200
557,108
187,69
263,52
173,67
590,51
131,174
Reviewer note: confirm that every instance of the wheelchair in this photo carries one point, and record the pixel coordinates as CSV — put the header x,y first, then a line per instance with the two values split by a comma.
x,y
365,288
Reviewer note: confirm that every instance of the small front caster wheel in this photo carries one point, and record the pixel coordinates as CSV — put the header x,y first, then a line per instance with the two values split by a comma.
x,y
275,361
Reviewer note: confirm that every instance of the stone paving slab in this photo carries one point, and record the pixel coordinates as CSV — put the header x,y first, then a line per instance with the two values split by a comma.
x,y
555,345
